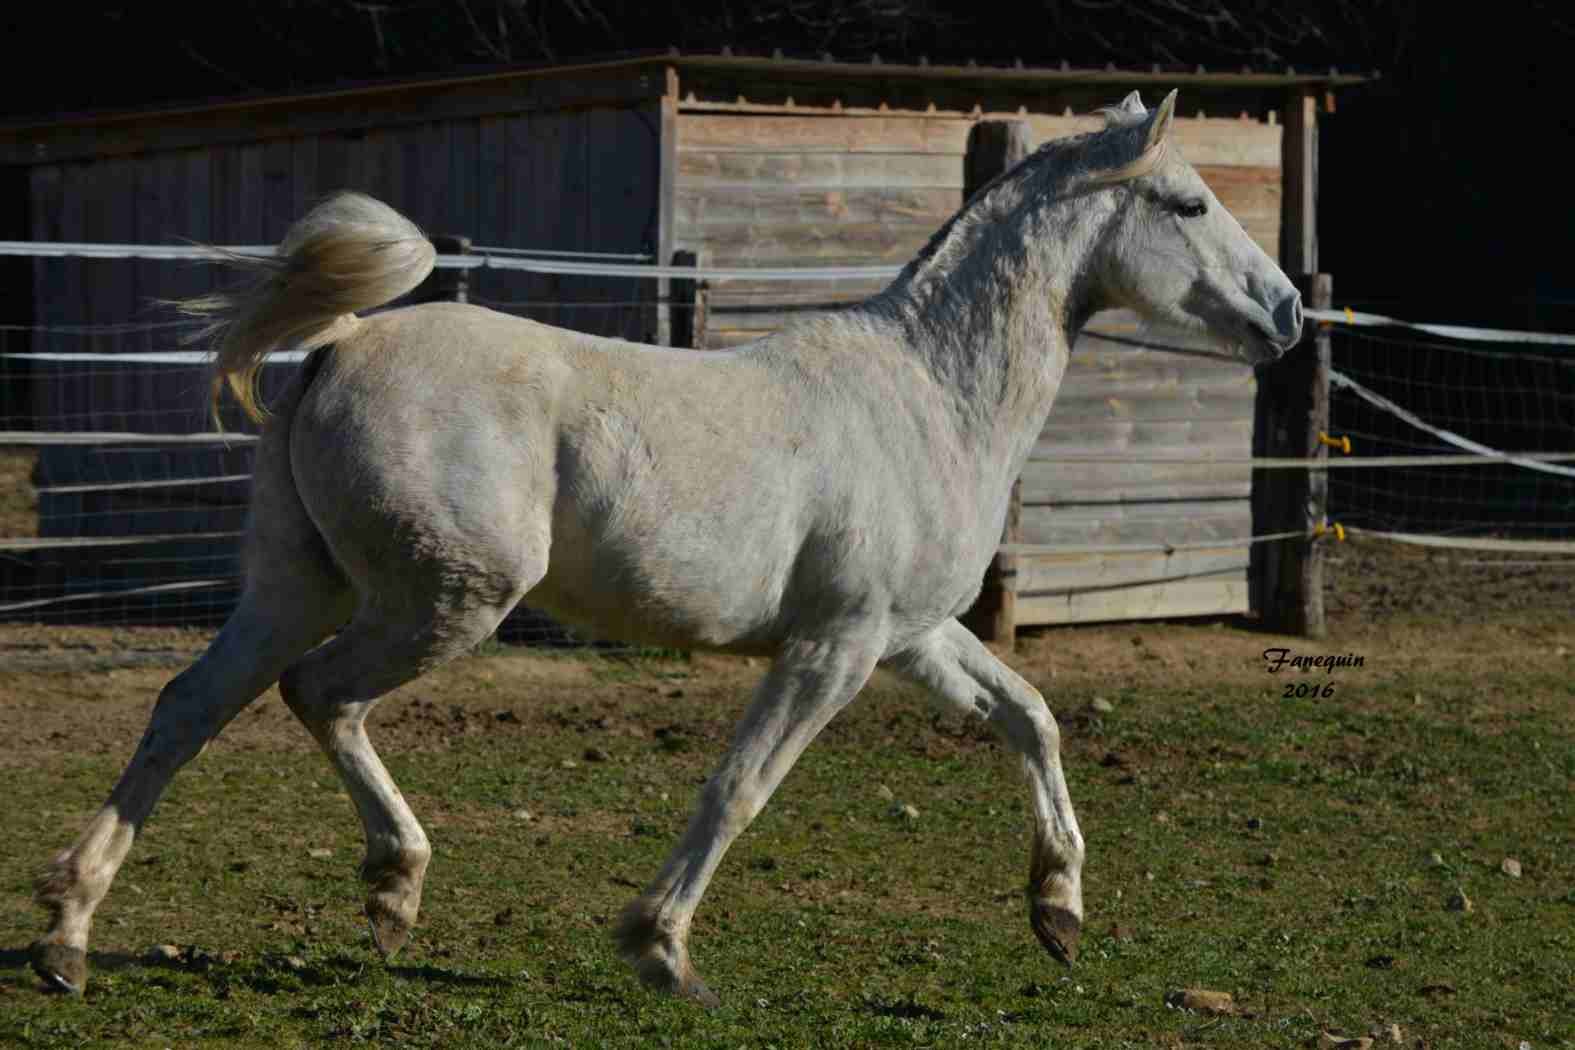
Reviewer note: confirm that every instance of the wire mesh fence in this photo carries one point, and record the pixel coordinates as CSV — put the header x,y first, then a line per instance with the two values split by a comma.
x,y
120,501
1505,397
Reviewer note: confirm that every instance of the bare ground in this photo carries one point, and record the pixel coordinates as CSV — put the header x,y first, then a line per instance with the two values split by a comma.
x,y
88,689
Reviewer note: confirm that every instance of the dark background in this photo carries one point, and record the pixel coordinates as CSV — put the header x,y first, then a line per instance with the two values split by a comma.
x,y
1444,185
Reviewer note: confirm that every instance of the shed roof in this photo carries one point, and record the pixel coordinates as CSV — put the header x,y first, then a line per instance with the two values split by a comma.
x,y
1016,72
625,78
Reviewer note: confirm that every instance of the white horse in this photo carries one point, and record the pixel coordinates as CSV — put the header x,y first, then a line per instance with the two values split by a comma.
x,y
827,496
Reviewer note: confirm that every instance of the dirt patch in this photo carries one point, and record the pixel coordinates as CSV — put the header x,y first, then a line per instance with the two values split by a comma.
x,y
88,690
18,501
620,706
1374,581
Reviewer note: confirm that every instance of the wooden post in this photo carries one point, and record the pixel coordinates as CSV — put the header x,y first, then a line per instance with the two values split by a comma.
x,y
1286,576
993,147
449,286
1299,197
665,291
687,309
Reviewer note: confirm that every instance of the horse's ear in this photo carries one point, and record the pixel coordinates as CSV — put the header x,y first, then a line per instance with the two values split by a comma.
x,y
1159,128
1133,104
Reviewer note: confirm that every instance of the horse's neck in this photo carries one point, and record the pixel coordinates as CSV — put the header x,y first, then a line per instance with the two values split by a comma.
x,y
991,311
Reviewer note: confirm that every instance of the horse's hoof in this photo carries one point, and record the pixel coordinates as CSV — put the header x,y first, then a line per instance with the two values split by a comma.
x,y
694,988
389,932
1057,929
63,968
661,962
686,984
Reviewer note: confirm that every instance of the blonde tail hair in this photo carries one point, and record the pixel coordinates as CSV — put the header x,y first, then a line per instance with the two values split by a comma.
x,y
348,253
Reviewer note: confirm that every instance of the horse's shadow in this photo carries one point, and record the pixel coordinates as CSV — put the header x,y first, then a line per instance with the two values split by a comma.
x,y
16,969
437,975
16,966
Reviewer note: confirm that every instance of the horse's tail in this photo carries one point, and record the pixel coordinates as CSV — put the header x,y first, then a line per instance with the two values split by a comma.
x,y
349,253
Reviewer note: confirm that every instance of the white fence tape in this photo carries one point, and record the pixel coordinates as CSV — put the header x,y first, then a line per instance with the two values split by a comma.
x,y
1290,462
552,261
35,543
477,259
85,250
135,486
47,438
1448,331
1418,539
217,253
127,592
148,357
1145,548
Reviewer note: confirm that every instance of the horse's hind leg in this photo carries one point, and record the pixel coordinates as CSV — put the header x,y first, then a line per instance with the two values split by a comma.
x,y
277,620
294,597
967,678
332,690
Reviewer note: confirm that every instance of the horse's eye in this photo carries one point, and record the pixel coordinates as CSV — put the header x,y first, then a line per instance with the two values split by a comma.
x,y
1191,209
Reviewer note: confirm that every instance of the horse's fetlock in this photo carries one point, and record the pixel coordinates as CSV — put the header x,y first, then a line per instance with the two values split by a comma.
x,y
642,929
397,865
64,882
56,881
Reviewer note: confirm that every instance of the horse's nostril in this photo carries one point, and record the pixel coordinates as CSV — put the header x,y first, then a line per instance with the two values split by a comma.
x,y
1288,317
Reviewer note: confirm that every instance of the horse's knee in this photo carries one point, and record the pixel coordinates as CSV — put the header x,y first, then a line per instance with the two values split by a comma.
x,y
1026,718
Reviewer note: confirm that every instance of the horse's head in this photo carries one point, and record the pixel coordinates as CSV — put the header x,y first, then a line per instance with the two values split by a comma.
x,y
1174,254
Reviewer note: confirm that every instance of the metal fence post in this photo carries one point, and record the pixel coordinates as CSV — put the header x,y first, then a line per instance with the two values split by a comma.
x,y
688,307
448,285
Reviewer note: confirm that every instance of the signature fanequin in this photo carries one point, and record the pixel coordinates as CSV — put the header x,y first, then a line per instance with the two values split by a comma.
x,y
1279,658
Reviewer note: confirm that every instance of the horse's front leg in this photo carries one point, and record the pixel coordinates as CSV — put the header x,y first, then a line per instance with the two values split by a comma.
x,y
807,685
965,677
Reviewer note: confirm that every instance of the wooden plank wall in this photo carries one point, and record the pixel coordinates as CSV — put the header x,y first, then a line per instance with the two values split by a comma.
x,y
571,180
760,189
583,179
1121,401
778,190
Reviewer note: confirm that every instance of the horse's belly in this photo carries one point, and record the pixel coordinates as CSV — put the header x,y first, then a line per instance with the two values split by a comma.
x,y
656,590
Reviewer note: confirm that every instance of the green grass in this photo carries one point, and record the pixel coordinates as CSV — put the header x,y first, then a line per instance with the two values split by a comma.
x,y
833,924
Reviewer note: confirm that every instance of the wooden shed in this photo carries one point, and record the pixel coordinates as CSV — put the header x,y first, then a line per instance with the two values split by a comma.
x,y
742,160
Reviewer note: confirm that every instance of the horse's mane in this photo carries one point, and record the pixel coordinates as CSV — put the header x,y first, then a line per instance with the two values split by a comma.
x,y
1092,159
